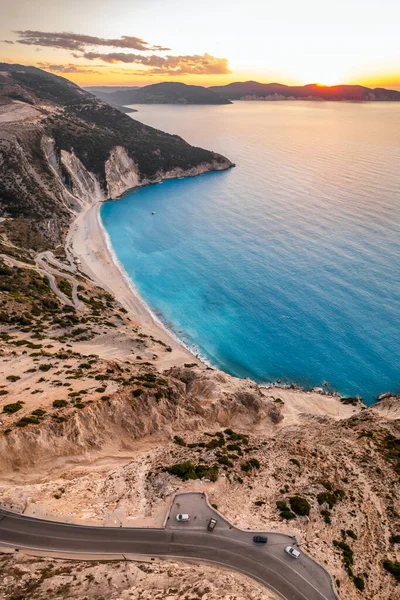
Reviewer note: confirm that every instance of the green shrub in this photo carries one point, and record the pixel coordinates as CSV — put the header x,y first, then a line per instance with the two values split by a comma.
x,y
27,421
359,583
395,539
331,498
224,460
217,443
287,514
13,378
351,534
187,470
295,462
179,441
215,506
137,392
3,392
44,367
347,553
12,408
259,502
39,412
392,567
281,505
327,516
300,505
59,403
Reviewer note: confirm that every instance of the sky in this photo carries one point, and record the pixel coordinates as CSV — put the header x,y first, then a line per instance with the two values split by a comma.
x,y
207,42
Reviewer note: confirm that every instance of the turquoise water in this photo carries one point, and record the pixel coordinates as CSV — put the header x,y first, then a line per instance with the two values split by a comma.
x,y
288,265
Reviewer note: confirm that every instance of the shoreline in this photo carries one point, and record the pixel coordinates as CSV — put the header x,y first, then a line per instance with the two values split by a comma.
x,y
88,241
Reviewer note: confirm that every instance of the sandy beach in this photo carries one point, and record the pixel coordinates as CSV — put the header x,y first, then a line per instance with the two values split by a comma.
x,y
86,241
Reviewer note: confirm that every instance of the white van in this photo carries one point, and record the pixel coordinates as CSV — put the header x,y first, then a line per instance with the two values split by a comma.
x,y
182,517
294,553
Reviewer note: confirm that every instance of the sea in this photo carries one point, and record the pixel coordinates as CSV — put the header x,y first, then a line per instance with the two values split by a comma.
x,y
286,267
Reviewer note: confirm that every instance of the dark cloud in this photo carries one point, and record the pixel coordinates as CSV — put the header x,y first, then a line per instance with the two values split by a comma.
x,y
6,42
169,65
66,68
76,41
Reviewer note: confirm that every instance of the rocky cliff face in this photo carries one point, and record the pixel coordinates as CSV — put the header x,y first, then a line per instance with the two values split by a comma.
x,y
62,149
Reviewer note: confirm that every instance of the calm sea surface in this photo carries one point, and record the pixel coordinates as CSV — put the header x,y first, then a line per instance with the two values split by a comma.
x,y
287,266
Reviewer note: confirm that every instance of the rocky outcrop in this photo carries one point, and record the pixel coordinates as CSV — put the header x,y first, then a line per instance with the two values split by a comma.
x,y
122,173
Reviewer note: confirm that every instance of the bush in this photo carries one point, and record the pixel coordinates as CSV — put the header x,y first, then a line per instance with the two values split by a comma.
x,y
137,392
224,460
3,392
287,514
281,505
59,403
179,441
327,516
259,502
295,462
347,553
392,567
331,498
187,470
351,534
359,583
12,408
39,412
395,539
300,506
27,421
13,378
44,367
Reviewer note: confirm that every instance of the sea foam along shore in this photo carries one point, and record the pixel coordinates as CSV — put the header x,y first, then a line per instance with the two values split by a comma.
x,y
88,241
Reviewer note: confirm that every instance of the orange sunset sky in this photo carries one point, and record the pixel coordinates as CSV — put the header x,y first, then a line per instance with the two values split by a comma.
x,y
208,42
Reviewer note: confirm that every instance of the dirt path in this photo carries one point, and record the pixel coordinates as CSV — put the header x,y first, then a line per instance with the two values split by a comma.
x,y
50,273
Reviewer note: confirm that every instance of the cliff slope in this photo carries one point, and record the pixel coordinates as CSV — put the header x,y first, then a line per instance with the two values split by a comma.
x,y
60,147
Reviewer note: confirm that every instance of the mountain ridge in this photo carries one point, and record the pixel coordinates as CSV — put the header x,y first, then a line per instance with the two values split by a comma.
x,y
166,92
242,90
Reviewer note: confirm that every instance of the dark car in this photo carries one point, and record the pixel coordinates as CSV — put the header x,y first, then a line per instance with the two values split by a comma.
x,y
212,524
260,539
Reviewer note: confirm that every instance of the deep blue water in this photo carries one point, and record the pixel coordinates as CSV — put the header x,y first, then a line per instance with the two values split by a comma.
x,y
287,266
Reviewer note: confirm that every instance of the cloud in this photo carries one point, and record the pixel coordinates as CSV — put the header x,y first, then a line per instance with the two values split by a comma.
x,y
169,65
76,41
66,68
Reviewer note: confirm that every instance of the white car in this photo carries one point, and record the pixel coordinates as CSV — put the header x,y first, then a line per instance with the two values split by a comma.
x,y
292,551
182,517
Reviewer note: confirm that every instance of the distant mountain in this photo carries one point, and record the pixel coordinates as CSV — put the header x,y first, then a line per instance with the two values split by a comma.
x,y
164,93
252,90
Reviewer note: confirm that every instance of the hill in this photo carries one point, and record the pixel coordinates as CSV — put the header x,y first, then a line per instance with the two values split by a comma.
x,y
61,147
163,93
253,90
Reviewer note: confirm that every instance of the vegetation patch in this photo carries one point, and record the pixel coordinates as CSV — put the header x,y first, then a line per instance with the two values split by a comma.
x,y
187,470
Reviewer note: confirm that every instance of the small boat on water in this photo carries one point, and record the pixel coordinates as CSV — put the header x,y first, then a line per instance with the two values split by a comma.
x,y
153,213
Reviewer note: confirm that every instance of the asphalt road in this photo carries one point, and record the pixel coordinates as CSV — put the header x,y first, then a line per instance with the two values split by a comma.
x,y
300,579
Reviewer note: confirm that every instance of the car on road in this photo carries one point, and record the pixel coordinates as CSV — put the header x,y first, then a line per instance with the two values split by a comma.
x,y
183,517
260,539
212,524
292,551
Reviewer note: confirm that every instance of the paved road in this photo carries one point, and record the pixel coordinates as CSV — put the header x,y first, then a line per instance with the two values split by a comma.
x,y
300,579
